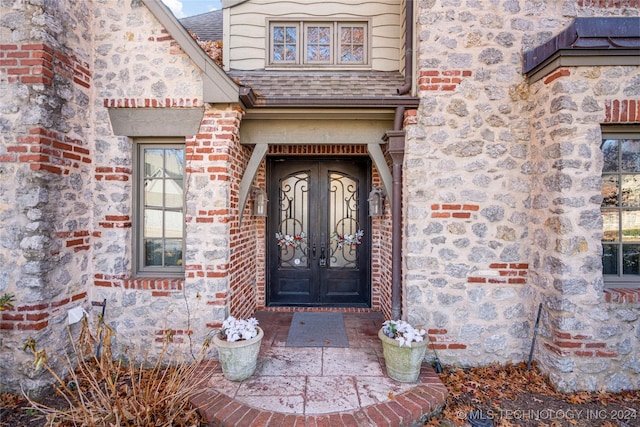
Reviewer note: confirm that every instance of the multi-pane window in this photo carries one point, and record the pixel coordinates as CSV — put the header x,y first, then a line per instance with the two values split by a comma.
x,y
318,43
160,214
285,43
621,207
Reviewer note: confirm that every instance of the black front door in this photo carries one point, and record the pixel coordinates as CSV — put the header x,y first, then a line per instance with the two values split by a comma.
x,y
318,233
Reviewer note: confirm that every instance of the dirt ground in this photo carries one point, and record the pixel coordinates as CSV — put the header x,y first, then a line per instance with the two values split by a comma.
x,y
493,395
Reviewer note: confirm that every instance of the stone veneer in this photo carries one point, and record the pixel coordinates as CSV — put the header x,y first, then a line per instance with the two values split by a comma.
x,y
501,200
510,217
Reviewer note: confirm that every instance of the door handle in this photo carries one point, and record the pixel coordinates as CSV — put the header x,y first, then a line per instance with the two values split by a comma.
x,y
323,258
313,251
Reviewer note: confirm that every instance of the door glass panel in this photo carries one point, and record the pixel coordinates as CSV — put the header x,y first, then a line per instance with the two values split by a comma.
x,y
293,221
343,221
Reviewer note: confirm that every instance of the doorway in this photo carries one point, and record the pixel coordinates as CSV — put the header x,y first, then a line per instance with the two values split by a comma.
x,y
318,232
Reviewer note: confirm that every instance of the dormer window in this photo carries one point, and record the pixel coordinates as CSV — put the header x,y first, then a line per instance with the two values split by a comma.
x,y
318,43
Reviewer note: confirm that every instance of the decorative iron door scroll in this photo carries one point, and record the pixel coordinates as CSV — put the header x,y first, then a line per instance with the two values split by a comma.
x,y
318,238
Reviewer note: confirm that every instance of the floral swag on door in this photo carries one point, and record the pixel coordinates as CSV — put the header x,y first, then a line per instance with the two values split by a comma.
x,y
348,239
288,240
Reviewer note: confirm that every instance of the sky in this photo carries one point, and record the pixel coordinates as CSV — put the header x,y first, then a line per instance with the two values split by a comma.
x,y
184,8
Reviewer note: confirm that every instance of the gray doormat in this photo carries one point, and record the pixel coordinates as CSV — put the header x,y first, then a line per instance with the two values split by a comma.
x,y
317,330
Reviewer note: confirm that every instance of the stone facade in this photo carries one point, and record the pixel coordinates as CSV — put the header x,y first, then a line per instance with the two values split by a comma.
x,y
513,216
501,190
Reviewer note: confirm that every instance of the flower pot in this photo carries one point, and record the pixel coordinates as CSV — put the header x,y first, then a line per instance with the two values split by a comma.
x,y
239,358
403,363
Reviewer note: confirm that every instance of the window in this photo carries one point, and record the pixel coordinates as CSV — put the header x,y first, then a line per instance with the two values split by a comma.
x,y
621,206
160,209
318,43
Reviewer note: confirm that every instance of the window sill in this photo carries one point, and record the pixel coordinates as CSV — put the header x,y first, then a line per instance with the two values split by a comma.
x,y
622,295
154,283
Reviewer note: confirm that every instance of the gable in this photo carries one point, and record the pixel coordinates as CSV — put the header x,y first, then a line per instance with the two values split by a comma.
x,y
217,86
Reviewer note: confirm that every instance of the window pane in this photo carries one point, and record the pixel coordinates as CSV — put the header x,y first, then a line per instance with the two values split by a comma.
x,y
153,252
152,223
284,43
173,193
631,259
173,224
153,163
611,226
610,259
153,192
631,226
610,154
630,157
278,35
352,44
162,215
630,191
621,205
173,253
292,35
318,43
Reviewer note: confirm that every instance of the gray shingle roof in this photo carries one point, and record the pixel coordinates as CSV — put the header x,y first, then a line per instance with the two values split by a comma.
x,y
316,84
207,26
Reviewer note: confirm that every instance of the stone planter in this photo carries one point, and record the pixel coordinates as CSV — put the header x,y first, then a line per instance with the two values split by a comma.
x,y
403,363
238,358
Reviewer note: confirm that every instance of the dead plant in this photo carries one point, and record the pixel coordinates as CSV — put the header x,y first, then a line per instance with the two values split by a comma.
x,y
127,391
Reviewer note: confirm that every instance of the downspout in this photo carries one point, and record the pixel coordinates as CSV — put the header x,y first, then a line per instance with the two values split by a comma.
x,y
395,139
408,50
396,150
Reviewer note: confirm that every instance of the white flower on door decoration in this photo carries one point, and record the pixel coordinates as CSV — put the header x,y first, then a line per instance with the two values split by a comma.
x,y
348,239
287,240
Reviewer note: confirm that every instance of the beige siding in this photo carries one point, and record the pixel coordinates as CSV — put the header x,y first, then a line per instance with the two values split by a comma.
x,y
246,38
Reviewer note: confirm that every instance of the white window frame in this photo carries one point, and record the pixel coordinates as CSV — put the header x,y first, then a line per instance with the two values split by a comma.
x,y
335,46
620,280
140,269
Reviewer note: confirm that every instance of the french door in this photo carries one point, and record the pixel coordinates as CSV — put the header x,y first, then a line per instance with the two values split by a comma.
x,y
318,232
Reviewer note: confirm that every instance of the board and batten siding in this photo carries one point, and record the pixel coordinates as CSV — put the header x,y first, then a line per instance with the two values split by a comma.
x,y
246,32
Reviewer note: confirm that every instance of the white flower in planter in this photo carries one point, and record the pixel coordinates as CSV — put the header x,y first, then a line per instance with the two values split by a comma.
x,y
403,332
239,329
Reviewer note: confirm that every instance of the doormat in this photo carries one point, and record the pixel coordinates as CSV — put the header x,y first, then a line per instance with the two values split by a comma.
x,y
317,330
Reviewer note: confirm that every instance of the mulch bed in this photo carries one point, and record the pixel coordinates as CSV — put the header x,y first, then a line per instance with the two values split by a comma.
x,y
513,396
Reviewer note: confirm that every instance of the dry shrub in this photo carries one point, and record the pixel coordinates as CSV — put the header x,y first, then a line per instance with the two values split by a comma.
x,y
101,391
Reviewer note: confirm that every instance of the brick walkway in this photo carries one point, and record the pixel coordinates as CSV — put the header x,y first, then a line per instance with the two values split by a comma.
x,y
312,386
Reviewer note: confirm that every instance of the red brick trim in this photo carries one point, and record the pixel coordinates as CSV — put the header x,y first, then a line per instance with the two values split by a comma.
x,y
622,110
505,273
34,317
48,150
436,80
453,210
438,340
151,103
139,283
622,295
408,408
560,73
